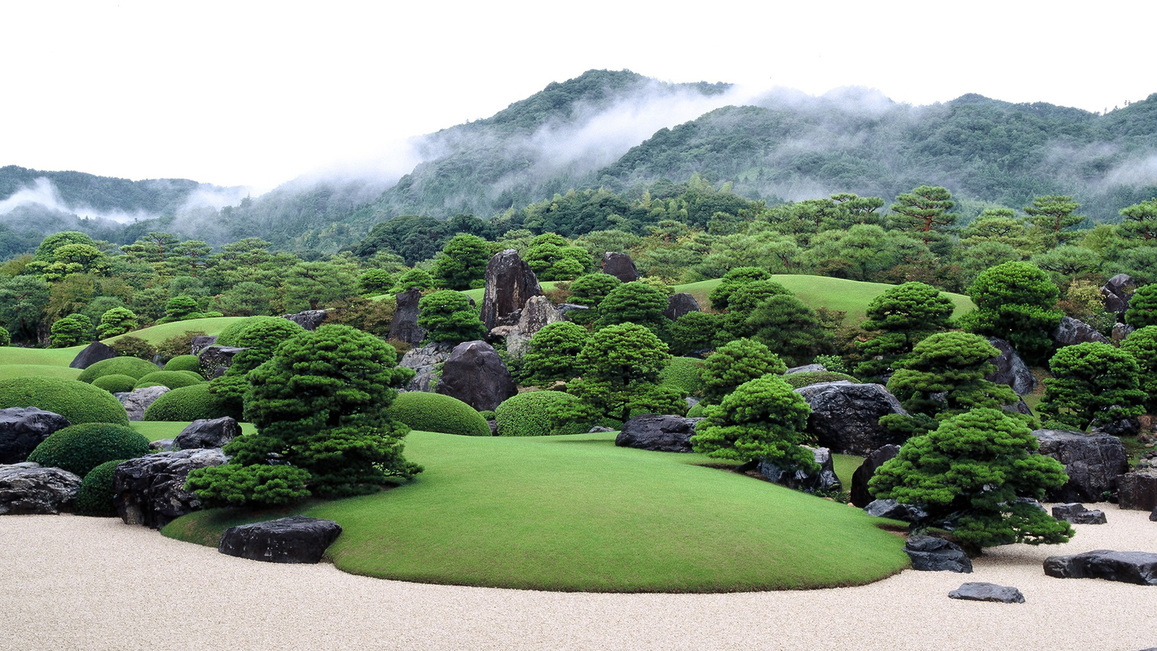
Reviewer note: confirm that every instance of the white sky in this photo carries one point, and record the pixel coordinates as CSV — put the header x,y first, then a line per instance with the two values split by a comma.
x,y
257,93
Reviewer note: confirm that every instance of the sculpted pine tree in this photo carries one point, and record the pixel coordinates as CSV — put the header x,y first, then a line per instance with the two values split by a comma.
x,y
1053,216
735,363
1015,301
620,367
761,419
924,212
1092,384
462,262
902,316
447,316
553,354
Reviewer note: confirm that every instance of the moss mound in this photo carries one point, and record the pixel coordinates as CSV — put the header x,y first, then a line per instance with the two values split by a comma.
x,y
115,383
434,412
80,448
797,380
133,367
171,379
77,401
186,404
540,413
95,495
684,374
184,363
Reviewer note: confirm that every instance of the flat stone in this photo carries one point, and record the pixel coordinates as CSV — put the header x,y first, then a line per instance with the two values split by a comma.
x,y
1076,513
931,554
1126,567
657,432
988,592
894,510
296,539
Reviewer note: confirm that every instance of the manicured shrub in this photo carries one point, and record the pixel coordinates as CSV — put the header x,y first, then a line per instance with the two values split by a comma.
x,y
95,495
447,316
737,362
698,411
1142,345
1093,384
683,373
797,380
5,338
261,328
71,330
184,363
761,419
541,413
171,379
116,321
434,412
130,346
115,383
130,366
80,448
79,402
1143,307
186,404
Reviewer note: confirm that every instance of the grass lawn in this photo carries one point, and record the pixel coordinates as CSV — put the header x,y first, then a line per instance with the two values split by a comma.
x,y
845,466
37,370
155,430
577,513
158,333
59,357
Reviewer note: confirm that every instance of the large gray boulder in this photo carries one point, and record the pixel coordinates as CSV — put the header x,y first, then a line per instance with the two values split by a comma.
x,y
1070,332
138,400
1010,369
92,353
309,319
404,325
1138,490
679,304
896,511
28,489
931,554
1092,461
1127,567
202,342
537,313
1116,294
823,479
296,539
621,266
988,592
476,375
23,428
218,358
510,282
425,362
150,490
859,491
845,416
208,433
661,433
1076,513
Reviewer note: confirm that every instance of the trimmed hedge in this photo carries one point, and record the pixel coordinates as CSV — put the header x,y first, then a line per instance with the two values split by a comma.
x,y
805,378
95,495
684,374
115,383
80,448
77,401
171,379
233,334
133,367
434,412
184,363
541,413
187,404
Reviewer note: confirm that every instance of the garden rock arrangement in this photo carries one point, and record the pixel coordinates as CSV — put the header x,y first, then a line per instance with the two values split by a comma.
x,y
1010,369
23,428
823,480
859,491
621,266
1092,461
218,358
92,353
680,304
1127,567
404,325
894,510
208,433
150,490
1116,294
425,362
988,592
1076,513
202,342
476,375
1071,332
845,417
537,313
309,319
510,282
659,433
296,539
138,400
28,489
1138,490
931,554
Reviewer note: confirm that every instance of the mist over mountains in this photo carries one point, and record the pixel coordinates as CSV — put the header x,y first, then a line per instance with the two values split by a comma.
x,y
622,132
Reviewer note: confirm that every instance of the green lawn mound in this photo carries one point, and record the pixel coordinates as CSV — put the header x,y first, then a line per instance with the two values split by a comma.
x,y
576,513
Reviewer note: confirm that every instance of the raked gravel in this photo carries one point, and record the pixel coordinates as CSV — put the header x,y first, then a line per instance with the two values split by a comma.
x,y
84,583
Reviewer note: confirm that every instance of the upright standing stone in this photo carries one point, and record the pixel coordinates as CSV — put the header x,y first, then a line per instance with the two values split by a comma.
x,y
476,375
510,282
92,353
1116,294
1092,462
404,325
1010,369
536,314
621,266
680,304
859,493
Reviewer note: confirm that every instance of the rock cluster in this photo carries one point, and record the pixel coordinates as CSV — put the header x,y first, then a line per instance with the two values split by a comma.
x,y
1076,513
23,428
845,416
151,491
476,375
1092,461
931,554
510,282
657,432
208,433
822,480
1010,369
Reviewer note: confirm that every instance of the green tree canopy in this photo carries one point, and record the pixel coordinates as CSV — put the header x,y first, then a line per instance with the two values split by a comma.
x,y
462,262
1015,301
553,354
762,419
1092,384
735,363
447,315
1053,216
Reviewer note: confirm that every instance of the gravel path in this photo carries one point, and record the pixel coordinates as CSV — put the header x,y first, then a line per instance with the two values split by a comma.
x,y
84,583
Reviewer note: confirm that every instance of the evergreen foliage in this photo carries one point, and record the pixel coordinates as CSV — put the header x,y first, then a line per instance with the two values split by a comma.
x,y
77,401
542,413
945,373
71,330
735,363
902,316
1143,307
762,419
1092,384
81,447
448,317
1142,345
1015,301
684,374
117,321
434,412
187,404
462,262
620,368
133,367
95,497
115,383
553,354
171,379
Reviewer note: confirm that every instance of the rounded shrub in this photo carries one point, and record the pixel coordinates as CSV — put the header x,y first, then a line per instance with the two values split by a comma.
x,y
684,374
434,412
79,402
806,378
697,411
541,413
171,379
80,448
234,334
184,363
115,383
131,366
187,404
95,495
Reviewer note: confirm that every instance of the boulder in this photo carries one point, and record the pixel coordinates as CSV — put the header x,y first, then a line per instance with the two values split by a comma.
x,y
566,308
404,325
680,304
1138,490
1127,567
845,416
1071,332
1076,513
859,492
806,368
1092,461
201,342
517,344
894,510
1118,428
931,554
150,490
425,362
309,319
163,445
658,432
138,400
92,353
510,282
208,433
823,480
536,313
1116,294
1010,369
28,489
621,266
218,357
476,375
1120,332
1153,515
296,539
598,429
988,592
23,428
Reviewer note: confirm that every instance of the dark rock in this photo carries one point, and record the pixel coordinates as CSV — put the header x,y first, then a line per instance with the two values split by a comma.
x,y
208,433
680,304
137,401
23,428
92,353
493,427
1120,332
308,319
1116,294
1010,369
509,284
202,342
537,313
806,368
151,490
476,375
1153,515
1076,513
1021,407
404,325
657,432
1118,428
1071,332
425,361
931,554
296,539
894,510
163,445
845,416
1127,567
809,482
215,356
564,308
1092,461
859,492
1138,490
621,266
988,592
598,429
28,489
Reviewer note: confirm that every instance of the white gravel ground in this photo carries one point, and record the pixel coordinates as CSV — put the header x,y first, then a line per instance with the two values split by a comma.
x,y
83,583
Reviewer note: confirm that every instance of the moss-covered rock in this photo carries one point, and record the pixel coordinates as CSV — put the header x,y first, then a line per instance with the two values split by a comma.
x,y
80,448
187,404
434,412
171,379
95,495
130,366
115,383
541,413
77,401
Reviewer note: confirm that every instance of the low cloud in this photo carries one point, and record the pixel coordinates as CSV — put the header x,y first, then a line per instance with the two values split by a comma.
x,y
43,194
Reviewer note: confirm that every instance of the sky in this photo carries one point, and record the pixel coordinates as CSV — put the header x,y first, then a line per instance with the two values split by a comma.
x,y
258,93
